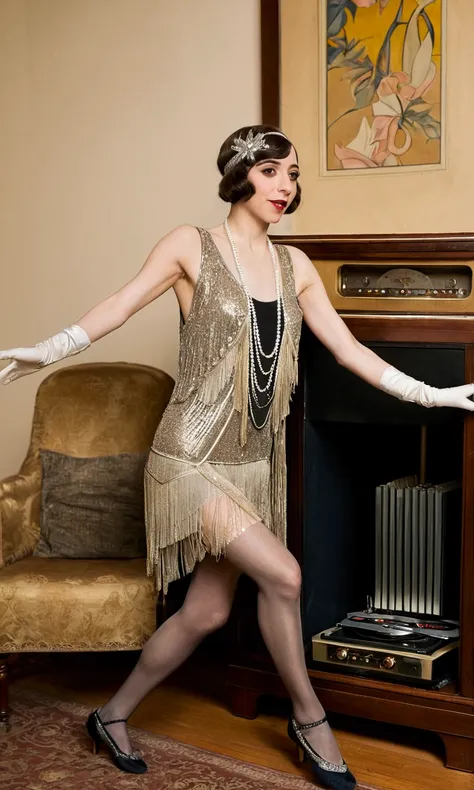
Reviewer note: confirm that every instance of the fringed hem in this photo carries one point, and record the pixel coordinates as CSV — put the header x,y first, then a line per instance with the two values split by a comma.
x,y
175,561
200,512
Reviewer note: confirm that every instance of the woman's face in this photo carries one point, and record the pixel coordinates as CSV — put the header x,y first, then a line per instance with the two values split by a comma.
x,y
274,181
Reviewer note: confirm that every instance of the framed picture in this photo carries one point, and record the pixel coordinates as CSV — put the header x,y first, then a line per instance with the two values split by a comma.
x,y
371,92
383,84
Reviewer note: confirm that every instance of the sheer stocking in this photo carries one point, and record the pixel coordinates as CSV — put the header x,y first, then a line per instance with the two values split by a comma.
x,y
206,607
259,554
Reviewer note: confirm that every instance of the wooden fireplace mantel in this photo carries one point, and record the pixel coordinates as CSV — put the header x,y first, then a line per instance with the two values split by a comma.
x,y
383,247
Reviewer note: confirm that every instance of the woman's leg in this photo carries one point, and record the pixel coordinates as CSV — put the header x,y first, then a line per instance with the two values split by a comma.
x,y
259,554
205,609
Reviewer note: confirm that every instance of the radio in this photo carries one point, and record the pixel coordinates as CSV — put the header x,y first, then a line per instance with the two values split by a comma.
x,y
439,287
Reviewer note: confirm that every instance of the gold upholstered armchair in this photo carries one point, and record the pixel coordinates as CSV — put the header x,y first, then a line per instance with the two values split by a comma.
x,y
57,604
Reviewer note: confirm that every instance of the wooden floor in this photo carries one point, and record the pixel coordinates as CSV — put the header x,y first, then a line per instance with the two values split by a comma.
x,y
188,709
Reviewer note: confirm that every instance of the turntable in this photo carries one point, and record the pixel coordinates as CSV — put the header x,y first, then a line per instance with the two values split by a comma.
x,y
412,657
369,624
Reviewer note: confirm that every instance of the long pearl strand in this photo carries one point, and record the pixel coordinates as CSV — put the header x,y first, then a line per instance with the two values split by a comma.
x,y
257,354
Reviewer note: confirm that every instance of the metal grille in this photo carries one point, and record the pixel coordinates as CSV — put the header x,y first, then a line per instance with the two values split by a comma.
x,y
412,526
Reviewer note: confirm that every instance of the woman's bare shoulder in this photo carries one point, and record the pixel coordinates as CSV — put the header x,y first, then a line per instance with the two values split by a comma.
x,y
304,271
181,243
183,235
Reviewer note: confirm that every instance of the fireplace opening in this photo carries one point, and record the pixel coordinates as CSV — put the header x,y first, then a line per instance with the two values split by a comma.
x,y
356,439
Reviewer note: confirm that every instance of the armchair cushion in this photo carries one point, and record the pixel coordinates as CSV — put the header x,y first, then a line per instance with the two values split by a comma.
x,y
92,507
75,605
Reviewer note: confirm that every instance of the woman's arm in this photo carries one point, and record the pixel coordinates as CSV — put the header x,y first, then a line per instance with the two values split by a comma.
x,y
330,329
168,262
328,326
161,270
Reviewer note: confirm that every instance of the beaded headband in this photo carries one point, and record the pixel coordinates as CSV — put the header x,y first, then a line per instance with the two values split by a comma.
x,y
246,149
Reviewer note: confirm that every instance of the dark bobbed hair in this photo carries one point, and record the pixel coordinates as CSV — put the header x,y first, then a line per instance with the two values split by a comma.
x,y
234,185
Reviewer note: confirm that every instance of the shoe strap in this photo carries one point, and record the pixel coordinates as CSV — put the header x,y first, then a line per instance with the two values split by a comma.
x,y
299,726
113,721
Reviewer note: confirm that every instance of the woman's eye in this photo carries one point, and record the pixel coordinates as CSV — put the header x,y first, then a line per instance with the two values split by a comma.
x,y
268,170
294,175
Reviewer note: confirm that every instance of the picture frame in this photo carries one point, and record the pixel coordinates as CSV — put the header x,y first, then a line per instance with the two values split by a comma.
x,y
405,199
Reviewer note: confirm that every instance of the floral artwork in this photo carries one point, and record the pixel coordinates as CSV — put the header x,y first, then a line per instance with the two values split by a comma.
x,y
384,84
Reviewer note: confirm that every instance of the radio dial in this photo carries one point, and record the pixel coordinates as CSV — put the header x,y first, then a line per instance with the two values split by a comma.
x,y
341,653
388,662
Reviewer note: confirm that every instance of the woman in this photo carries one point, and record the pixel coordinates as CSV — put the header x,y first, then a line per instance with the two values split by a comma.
x,y
215,477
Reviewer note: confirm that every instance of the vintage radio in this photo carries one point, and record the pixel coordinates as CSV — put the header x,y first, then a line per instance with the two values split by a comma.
x,y
399,287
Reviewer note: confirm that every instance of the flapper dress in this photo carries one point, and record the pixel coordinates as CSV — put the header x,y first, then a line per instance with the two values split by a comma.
x,y
211,472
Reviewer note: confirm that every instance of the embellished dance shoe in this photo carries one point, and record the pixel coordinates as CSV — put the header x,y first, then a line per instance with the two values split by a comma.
x,y
131,763
330,775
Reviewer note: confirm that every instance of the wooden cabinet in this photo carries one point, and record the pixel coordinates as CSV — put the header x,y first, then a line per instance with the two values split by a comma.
x,y
450,711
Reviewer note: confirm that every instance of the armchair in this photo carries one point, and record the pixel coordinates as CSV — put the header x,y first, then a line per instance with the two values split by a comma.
x,y
63,604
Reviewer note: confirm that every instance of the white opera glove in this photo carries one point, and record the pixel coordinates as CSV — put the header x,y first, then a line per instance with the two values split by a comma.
x,y
66,343
406,388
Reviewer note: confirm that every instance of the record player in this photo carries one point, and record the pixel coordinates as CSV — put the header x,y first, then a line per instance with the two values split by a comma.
x,y
382,625
391,646
406,636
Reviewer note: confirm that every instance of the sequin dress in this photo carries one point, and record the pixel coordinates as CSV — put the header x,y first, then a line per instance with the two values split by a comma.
x,y
210,471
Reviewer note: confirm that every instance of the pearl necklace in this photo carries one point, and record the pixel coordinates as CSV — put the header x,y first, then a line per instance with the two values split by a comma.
x,y
257,354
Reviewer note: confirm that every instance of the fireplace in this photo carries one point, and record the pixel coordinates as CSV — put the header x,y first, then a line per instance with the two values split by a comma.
x,y
356,438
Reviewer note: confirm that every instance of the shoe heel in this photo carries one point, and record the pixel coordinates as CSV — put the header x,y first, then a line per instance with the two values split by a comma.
x,y
131,763
330,775
93,735
302,756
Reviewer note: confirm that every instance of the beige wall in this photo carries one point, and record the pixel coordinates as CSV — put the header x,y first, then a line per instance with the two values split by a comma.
x,y
409,202
113,112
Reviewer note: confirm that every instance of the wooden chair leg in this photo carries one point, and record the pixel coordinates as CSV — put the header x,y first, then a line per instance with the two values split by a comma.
x,y
4,709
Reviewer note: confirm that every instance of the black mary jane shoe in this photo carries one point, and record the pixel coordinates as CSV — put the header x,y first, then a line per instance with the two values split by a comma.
x,y
131,763
330,775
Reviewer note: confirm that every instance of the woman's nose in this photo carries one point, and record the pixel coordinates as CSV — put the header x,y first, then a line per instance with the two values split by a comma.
x,y
286,187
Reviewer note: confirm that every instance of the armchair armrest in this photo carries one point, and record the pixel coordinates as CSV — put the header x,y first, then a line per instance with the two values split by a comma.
x,y
19,515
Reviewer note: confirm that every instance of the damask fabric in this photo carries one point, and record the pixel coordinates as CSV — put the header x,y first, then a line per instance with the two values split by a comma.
x,y
20,498
89,605
210,472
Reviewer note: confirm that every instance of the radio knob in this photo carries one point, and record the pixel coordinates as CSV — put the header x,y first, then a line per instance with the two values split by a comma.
x,y
341,653
388,662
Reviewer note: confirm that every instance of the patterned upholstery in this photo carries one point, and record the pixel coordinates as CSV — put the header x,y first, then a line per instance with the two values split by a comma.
x,y
69,604
73,605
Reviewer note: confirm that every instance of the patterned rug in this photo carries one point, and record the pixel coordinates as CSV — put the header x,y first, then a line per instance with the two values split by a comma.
x,y
47,748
